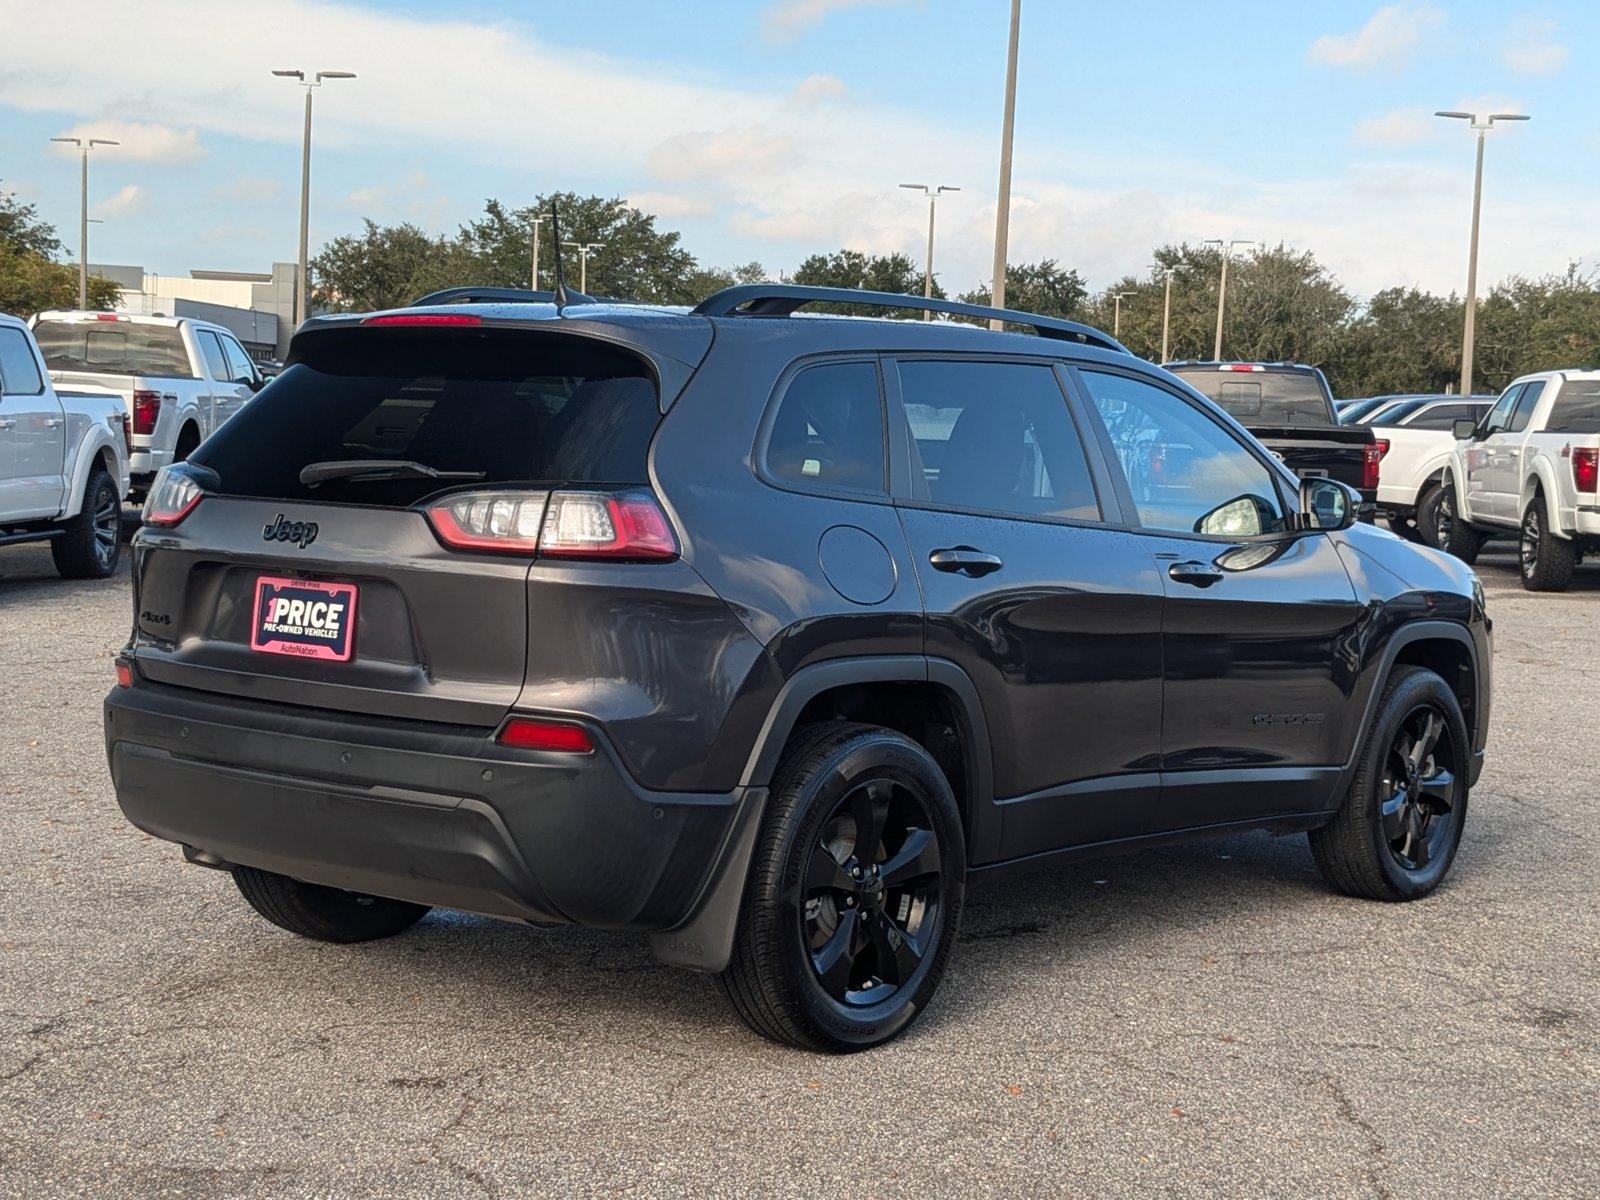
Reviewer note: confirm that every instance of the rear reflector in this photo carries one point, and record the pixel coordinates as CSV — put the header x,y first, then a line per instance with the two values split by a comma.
x,y
568,524
425,319
530,733
124,674
1371,460
173,496
146,411
1586,469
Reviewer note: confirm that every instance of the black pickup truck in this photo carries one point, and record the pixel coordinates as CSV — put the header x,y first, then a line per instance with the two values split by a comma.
x,y
1289,408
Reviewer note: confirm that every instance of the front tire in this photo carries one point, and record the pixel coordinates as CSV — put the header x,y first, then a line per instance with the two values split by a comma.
x,y
1398,830
1454,535
854,894
1428,515
90,545
324,914
1546,561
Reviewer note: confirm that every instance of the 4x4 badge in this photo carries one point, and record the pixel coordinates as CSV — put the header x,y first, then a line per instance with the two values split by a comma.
x,y
299,533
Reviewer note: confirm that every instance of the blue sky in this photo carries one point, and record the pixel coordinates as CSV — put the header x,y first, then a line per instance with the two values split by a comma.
x,y
773,128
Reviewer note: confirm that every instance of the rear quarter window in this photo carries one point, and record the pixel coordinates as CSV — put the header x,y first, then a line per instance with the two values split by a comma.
x,y
827,431
1577,408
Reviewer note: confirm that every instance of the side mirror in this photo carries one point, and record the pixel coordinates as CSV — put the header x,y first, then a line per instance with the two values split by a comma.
x,y
1243,516
1328,504
1464,429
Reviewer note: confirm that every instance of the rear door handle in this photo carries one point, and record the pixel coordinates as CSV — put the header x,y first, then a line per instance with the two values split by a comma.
x,y
1197,574
965,560
52,422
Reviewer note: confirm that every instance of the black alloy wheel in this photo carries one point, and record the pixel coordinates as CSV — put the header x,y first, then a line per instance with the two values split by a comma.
x,y
1418,789
107,529
870,896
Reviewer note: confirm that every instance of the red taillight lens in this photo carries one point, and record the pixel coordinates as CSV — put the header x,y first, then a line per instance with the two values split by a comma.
x,y
1585,469
127,431
173,496
425,319
146,411
1370,462
567,524
124,674
530,733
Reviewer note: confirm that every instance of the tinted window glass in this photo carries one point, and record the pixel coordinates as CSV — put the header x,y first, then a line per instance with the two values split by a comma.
x,y
512,406
1501,412
1396,414
19,370
1443,416
996,437
828,429
1265,397
211,349
239,369
1186,472
1524,409
1577,408
114,348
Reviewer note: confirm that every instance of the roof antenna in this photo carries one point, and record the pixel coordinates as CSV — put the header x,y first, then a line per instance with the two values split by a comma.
x,y
555,236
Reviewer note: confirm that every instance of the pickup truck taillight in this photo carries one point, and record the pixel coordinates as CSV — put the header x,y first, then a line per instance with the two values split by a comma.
x,y
146,411
1370,461
1585,468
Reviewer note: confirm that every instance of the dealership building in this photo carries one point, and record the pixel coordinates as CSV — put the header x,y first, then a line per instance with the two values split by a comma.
x,y
258,307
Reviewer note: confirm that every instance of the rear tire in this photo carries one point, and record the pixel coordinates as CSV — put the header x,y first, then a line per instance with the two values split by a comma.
x,y
90,544
1455,536
1428,515
324,914
839,948
1545,559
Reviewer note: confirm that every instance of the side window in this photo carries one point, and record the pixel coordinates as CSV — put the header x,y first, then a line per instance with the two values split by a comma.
x,y
1524,409
19,370
211,349
828,429
995,437
239,368
1186,472
1500,415
1441,416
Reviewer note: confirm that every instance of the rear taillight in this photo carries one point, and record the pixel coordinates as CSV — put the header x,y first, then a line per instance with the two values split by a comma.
x,y
1371,460
173,496
146,411
535,733
567,524
124,673
127,431
1585,469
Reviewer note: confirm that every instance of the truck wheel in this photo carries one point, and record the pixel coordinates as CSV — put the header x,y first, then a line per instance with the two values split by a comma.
x,y
1454,535
1398,829
1546,560
1428,515
854,893
324,914
90,544
188,443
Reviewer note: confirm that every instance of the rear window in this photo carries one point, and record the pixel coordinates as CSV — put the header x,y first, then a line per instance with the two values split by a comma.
x,y
114,348
1577,408
1262,397
506,406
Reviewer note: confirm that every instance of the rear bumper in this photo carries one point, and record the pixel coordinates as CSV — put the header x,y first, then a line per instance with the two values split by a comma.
x,y
436,814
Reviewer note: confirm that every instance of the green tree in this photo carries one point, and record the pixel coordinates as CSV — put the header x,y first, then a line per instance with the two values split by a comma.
x,y
386,266
31,279
1044,287
1405,340
868,272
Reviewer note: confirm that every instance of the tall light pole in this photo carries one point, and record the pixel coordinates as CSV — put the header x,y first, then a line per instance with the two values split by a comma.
x,y
1116,319
536,222
1166,307
301,290
1002,215
85,145
584,249
933,194
1469,330
1222,287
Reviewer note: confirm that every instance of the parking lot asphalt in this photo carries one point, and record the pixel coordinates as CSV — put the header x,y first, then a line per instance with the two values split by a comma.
x,y
1206,1019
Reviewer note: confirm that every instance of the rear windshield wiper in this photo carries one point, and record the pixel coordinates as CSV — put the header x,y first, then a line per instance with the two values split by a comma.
x,y
361,470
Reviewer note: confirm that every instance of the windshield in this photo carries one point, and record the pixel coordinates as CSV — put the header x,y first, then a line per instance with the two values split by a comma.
x,y
114,348
1265,397
1577,408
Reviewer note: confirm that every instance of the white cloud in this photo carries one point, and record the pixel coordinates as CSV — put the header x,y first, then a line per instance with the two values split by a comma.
x,y
413,198
1389,38
818,89
1402,127
671,206
727,154
1533,47
248,189
140,141
788,19
130,199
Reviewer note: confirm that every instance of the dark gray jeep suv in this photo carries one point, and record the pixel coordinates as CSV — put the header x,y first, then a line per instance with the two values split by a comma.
x,y
756,632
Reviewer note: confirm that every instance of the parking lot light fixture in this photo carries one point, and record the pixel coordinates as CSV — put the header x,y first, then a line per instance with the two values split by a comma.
x,y
584,249
1162,272
933,194
1116,319
301,289
84,145
1002,213
536,222
1481,125
1222,286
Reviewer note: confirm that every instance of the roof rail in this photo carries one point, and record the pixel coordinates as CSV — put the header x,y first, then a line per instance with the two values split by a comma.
x,y
494,295
783,299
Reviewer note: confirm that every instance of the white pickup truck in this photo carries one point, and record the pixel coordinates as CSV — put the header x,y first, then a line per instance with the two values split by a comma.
x,y
1420,438
1530,467
180,378
63,462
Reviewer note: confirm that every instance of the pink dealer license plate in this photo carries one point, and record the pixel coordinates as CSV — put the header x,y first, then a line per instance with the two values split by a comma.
x,y
304,619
